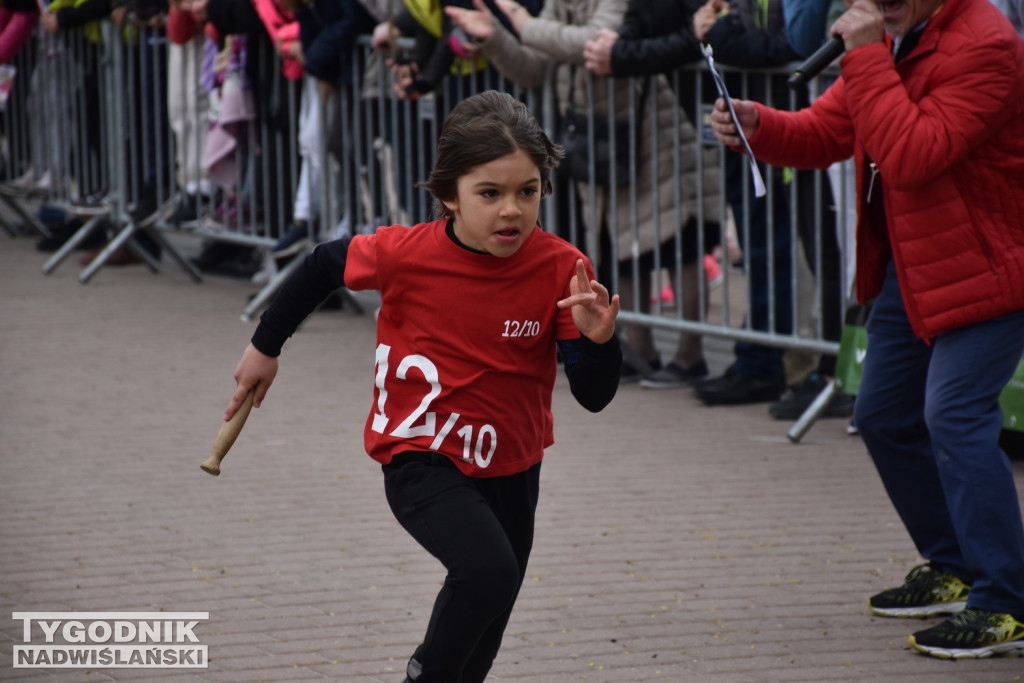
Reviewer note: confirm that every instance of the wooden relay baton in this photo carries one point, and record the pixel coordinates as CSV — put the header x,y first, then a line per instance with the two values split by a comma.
x,y
228,433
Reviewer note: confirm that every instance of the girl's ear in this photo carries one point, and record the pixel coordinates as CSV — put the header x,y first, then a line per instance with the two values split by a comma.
x,y
452,205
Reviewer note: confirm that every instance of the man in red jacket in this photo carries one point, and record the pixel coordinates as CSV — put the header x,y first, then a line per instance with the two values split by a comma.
x,y
930,105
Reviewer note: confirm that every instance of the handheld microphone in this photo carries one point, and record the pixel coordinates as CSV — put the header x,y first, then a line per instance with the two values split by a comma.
x,y
817,62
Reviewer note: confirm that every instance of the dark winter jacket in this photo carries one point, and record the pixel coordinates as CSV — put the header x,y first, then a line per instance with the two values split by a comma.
x,y
657,37
328,30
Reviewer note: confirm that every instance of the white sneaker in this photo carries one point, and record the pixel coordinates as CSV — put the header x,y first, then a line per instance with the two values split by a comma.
x,y
43,184
267,271
25,181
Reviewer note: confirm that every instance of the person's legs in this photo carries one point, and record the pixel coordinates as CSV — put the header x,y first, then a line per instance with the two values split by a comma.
x,y
307,192
816,227
689,353
970,366
177,107
187,109
639,337
758,372
889,411
514,501
482,532
690,348
769,283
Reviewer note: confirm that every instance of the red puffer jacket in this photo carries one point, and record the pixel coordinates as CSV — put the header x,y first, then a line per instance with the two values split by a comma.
x,y
945,128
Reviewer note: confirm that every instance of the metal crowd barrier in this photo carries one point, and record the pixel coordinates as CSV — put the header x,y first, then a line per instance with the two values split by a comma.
x,y
397,138
375,147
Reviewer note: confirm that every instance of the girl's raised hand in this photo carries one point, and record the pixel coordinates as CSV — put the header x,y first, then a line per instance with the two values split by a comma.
x,y
592,311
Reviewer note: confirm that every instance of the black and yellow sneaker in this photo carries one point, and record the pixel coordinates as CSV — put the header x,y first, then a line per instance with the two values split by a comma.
x,y
973,633
925,592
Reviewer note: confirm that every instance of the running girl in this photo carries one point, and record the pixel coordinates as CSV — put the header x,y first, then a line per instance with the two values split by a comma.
x,y
473,306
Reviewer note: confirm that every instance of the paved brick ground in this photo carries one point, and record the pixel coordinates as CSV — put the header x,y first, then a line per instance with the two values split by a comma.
x,y
675,542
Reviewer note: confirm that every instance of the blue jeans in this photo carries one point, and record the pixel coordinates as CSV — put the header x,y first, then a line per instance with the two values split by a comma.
x,y
930,418
764,286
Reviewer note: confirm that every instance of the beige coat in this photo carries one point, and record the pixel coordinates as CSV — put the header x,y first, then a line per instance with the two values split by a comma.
x,y
556,38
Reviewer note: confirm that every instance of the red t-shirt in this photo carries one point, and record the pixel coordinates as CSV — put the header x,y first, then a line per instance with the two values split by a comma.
x,y
465,360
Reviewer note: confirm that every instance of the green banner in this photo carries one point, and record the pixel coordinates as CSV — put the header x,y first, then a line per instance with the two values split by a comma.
x,y
1012,401
853,346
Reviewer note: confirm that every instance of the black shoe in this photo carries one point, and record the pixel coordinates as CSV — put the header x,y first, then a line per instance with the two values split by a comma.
x,y
90,205
631,375
973,633
796,400
59,234
926,592
293,241
146,210
188,210
62,233
733,388
675,376
224,258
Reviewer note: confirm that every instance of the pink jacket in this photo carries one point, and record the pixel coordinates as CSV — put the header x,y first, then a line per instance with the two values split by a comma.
x,y
181,26
283,30
15,29
945,128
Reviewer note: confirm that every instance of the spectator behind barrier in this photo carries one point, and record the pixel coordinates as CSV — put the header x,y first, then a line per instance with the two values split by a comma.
x,y
749,34
807,28
188,105
559,35
327,30
17,21
655,39
438,51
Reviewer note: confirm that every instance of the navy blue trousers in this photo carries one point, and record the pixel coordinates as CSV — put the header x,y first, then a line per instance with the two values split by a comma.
x,y
930,418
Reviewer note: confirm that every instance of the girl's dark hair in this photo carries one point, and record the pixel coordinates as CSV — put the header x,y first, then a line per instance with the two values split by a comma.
x,y
479,130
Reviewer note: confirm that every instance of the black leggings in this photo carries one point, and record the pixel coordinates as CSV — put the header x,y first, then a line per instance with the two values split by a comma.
x,y
481,529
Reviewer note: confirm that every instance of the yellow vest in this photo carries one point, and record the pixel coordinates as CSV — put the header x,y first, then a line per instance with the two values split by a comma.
x,y
91,30
427,14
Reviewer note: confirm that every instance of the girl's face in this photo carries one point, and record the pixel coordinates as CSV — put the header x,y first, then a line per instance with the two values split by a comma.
x,y
497,203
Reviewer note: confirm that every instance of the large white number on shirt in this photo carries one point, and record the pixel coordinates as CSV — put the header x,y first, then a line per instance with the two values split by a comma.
x,y
380,418
472,450
467,441
406,430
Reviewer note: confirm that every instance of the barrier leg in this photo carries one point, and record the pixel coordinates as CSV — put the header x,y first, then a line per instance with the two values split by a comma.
x,y
133,246
177,256
812,413
73,242
270,289
112,246
10,201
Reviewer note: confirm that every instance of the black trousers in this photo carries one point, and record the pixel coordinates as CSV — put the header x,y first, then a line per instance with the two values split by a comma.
x,y
481,529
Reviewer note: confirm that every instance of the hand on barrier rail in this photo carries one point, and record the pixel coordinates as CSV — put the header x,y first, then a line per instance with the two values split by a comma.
x,y
597,53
